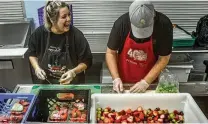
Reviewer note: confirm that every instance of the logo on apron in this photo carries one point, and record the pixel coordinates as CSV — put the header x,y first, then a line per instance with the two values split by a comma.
x,y
56,62
138,55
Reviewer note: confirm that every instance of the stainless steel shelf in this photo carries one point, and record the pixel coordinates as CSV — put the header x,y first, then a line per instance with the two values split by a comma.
x,y
190,50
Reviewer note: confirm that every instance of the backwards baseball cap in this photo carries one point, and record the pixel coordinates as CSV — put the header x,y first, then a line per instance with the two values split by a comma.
x,y
141,14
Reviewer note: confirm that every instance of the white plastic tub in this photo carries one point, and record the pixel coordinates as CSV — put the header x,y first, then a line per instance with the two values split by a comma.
x,y
179,101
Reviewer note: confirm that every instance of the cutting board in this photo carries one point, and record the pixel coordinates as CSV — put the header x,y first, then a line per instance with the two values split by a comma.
x,y
148,91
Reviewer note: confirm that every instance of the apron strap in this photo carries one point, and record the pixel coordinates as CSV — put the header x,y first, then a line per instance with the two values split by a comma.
x,y
69,58
47,45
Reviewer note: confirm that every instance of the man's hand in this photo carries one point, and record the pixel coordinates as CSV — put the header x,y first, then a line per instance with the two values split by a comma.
x,y
40,73
117,85
139,87
67,77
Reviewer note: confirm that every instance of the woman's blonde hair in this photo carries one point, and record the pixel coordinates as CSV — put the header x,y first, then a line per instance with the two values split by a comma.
x,y
51,12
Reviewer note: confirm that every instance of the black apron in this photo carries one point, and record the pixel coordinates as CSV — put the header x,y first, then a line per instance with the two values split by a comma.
x,y
56,62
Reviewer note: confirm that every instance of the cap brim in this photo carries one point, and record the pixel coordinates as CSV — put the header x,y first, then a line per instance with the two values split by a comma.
x,y
142,32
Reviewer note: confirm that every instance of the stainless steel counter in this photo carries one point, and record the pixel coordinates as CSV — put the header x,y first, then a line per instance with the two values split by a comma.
x,y
194,88
199,91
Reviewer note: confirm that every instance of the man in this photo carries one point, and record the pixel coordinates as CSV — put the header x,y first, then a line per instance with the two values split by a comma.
x,y
139,47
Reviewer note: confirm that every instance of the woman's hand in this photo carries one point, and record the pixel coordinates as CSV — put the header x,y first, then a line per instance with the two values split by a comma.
x,y
67,77
40,73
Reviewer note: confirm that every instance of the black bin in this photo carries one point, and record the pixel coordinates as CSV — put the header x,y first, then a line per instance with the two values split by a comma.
x,y
40,110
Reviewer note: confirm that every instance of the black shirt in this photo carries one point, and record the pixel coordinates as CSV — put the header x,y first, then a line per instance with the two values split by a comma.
x,y
78,46
162,34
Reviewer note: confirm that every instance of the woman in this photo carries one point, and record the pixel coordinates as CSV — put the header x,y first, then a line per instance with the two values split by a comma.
x,y
59,52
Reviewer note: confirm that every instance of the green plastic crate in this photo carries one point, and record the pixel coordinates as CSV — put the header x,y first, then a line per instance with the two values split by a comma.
x,y
183,42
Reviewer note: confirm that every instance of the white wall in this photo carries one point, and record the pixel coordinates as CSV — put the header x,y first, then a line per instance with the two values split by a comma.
x,y
31,9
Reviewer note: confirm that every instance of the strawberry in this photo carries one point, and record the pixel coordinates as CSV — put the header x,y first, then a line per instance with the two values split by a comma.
x,y
176,117
105,114
136,113
155,118
117,121
150,121
181,118
124,117
130,119
141,116
124,122
157,109
181,113
175,112
74,114
106,120
81,120
140,109
128,111
25,103
160,120
111,120
149,118
137,119
108,108
100,121
122,112
83,116
145,112
111,115
155,113
78,113
162,116
118,118
150,113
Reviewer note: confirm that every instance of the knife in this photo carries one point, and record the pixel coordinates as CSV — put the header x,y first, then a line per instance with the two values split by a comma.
x,y
48,81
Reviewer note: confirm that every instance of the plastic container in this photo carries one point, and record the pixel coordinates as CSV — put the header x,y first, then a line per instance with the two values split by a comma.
x,y
7,100
182,38
47,98
168,83
172,101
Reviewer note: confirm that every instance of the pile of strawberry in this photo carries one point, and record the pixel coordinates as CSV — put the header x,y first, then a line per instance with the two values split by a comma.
x,y
16,113
140,115
79,116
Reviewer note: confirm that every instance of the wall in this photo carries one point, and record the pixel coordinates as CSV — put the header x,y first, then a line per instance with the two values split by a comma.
x,y
31,7
95,18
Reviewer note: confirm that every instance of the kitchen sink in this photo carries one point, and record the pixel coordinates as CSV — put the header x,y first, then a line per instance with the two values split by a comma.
x,y
14,34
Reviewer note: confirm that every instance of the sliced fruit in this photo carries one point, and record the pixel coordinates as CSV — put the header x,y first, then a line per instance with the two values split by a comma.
x,y
175,112
124,117
136,113
176,117
128,111
102,117
155,113
108,108
160,120
137,119
105,114
130,119
122,112
17,107
141,116
155,118
162,116
106,120
181,118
